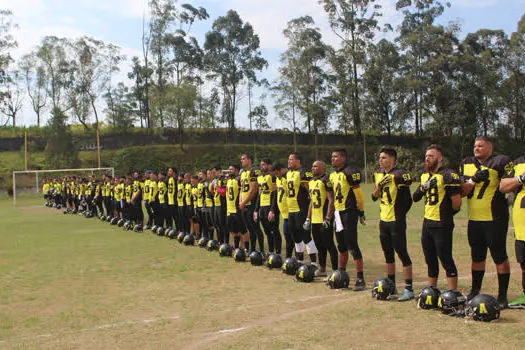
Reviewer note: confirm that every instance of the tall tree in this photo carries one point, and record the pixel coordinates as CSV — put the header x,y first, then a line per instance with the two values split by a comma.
x,y
7,43
232,55
12,100
355,23
33,74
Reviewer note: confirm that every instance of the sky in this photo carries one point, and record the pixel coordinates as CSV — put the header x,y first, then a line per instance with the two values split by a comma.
x,y
120,22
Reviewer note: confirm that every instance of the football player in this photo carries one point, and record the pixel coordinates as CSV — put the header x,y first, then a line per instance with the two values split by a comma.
x,y
233,219
442,191
349,207
282,203
247,200
219,200
514,181
320,215
488,214
393,191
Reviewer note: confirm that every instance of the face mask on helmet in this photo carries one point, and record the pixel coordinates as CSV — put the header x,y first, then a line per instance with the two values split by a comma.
x,y
483,308
338,279
452,303
384,289
290,266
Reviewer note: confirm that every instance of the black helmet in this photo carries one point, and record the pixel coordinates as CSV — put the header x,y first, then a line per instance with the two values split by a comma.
x,y
212,245
428,298
483,307
181,236
383,289
256,258
203,242
154,229
160,231
102,218
305,273
121,223
189,239
275,261
114,221
338,279
452,302
108,218
239,255
290,266
137,228
225,250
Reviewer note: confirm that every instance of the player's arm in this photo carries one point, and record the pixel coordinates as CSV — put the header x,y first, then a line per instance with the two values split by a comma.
x,y
330,199
456,202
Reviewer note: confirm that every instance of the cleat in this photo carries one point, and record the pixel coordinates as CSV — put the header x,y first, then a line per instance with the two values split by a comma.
x,y
518,303
360,285
320,272
503,303
406,295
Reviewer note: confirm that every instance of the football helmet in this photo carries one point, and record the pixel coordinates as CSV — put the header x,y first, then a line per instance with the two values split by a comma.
x,y
114,221
338,279
239,255
120,223
189,239
181,236
225,250
383,289
305,273
483,308
275,261
203,242
160,231
290,266
428,298
212,245
137,228
452,302
154,229
256,258
102,218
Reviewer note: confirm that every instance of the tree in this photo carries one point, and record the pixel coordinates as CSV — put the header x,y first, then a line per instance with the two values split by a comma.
x,y
13,97
123,111
180,105
60,152
355,23
33,74
139,95
232,55
7,42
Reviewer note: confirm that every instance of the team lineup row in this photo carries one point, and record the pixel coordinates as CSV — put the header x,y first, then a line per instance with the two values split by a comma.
x,y
248,202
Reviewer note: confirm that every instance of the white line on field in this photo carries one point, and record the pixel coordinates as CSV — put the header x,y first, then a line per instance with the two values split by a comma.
x,y
231,330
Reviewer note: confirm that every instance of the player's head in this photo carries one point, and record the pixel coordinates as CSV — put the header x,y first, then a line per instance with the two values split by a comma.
x,y
234,169
136,175
171,172
162,175
279,169
194,180
318,168
202,175
187,177
433,157
128,179
387,158
294,161
266,164
246,160
153,176
483,147
339,157
210,174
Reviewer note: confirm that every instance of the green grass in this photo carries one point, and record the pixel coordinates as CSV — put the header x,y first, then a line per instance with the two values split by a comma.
x,y
70,282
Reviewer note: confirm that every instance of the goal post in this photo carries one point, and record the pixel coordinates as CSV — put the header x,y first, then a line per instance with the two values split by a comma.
x,y
29,181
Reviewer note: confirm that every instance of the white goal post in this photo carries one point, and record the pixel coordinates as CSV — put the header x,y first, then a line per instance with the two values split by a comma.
x,y
73,172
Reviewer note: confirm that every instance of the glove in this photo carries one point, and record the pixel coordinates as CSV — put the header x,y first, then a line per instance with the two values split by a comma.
x,y
480,176
521,178
307,225
326,223
362,218
386,180
430,183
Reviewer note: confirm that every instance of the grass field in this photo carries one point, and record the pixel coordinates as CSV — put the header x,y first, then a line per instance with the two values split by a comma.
x,y
68,282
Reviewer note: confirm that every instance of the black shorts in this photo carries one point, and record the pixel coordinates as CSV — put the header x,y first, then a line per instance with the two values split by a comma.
x,y
520,251
437,244
295,225
235,224
484,235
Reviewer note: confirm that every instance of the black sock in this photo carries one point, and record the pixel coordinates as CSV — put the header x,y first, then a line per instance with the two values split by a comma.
x,y
342,269
300,256
477,280
392,278
236,241
246,245
503,284
523,281
313,257
361,275
408,285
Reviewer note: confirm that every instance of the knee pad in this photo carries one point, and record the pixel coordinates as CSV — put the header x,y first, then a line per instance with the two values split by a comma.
x,y
310,247
299,247
451,270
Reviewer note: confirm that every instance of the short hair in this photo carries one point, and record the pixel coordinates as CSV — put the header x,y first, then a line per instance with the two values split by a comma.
x,y
487,139
341,151
236,166
435,147
195,177
217,167
297,156
247,155
278,166
390,151
267,161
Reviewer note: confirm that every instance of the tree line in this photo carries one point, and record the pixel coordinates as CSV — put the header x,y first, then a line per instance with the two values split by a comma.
x,y
425,81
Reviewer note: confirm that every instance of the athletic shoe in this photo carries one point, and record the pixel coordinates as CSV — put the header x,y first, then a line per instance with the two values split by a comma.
x,y
518,303
406,295
503,303
359,285
320,272
473,293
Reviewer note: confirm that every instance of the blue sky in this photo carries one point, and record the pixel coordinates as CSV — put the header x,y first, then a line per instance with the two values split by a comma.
x,y
120,22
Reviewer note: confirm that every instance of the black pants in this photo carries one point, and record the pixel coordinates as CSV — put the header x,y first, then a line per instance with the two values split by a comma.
x,y
149,209
347,238
488,235
324,241
437,243
271,229
253,228
295,225
288,239
183,224
220,224
393,239
208,222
